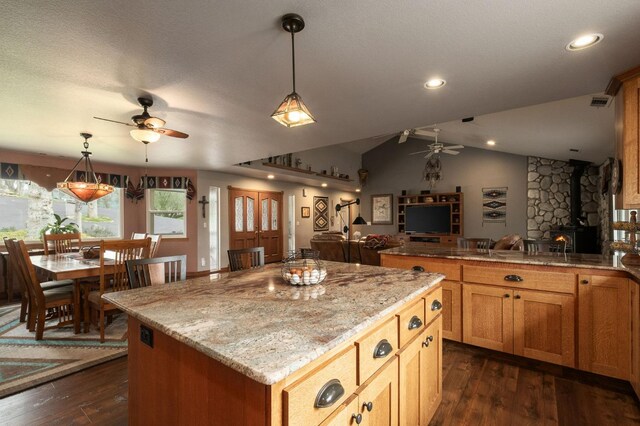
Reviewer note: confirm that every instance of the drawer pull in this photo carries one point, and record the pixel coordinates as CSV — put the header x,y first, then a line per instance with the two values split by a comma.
x,y
382,349
584,281
329,394
426,342
368,406
415,322
514,278
507,295
418,268
357,418
517,296
436,305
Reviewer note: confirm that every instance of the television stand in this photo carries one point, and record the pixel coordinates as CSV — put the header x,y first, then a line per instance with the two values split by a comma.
x,y
445,240
454,200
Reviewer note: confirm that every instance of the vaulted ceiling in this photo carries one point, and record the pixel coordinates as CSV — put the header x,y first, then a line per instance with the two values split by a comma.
x,y
217,70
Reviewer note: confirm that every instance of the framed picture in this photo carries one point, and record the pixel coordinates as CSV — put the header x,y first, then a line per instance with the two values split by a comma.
x,y
382,209
305,212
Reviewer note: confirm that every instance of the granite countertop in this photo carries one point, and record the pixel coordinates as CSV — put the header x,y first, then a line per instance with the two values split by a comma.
x,y
255,323
574,260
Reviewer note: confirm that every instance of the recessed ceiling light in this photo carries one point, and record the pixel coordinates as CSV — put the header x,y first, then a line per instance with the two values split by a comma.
x,y
491,142
435,83
270,176
357,189
584,41
324,185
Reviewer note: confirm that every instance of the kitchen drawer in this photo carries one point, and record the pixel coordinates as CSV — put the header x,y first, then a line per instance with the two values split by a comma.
x,y
506,276
299,399
374,350
411,322
451,270
433,304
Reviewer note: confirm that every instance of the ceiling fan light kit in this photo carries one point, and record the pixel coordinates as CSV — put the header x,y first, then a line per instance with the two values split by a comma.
x,y
292,111
89,189
144,135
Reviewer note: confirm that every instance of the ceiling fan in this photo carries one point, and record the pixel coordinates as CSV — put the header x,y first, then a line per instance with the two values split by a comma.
x,y
415,133
147,128
437,148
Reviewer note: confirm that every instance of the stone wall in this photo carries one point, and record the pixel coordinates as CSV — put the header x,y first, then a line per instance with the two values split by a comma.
x,y
548,196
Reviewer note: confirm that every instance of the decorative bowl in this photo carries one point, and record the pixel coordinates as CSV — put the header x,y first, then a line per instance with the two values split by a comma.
x,y
91,252
297,270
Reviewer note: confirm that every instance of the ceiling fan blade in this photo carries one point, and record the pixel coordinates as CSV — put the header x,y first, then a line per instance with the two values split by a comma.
x,y
448,151
420,152
172,133
115,121
425,133
404,136
429,155
454,147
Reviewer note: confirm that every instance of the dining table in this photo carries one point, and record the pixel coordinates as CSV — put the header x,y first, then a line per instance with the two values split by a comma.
x,y
72,266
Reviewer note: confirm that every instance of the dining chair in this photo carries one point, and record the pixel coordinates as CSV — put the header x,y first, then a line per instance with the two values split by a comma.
x,y
155,244
138,236
474,243
61,243
24,293
156,270
113,275
51,295
309,253
245,258
541,246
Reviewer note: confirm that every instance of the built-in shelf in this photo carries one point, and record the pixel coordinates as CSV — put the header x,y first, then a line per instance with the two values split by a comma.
x,y
334,177
452,199
291,169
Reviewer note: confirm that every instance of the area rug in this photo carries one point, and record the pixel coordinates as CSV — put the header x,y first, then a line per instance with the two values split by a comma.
x,y
25,362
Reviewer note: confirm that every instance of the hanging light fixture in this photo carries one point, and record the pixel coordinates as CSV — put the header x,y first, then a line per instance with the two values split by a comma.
x,y
292,111
144,135
89,188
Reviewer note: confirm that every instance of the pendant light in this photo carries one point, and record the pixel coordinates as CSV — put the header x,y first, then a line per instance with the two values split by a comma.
x,y
292,111
89,188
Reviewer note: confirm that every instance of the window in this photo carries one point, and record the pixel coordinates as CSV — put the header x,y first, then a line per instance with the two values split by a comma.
x,y
26,208
167,212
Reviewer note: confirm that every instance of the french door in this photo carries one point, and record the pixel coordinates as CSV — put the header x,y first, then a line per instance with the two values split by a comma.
x,y
255,220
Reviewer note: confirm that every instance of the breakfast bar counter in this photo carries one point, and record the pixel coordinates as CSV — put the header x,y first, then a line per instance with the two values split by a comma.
x,y
259,338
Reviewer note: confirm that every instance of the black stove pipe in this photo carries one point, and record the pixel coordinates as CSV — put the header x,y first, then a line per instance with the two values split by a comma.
x,y
575,190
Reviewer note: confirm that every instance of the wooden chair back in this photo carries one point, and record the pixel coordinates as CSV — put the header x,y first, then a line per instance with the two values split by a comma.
x,y
155,244
541,246
25,271
61,243
156,270
309,253
12,247
138,236
474,243
116,278
245,258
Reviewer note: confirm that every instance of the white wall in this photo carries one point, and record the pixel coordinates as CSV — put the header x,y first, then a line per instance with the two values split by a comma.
x,y
304,228
392,169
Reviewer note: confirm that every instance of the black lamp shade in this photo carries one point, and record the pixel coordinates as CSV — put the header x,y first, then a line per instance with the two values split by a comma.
x,y
359,221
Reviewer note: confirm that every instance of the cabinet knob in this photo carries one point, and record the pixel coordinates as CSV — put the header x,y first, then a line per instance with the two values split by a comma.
x,y
357,418
507,295
427,341
382,349
415,322
584,281
436,305
368,406
517,296
514,278
329,394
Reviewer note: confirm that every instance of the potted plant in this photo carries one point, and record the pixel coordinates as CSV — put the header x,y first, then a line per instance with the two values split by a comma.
x,y
59,227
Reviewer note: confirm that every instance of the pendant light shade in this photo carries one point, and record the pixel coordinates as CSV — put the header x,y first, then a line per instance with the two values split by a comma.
x,y
292,111
359,220
144,135
89,188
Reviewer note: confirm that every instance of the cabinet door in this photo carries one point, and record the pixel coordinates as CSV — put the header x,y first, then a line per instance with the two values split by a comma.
x,y
634,372
346,415
604,325
543,326
411,369
431,371
628,109
452,310
379,397
488,317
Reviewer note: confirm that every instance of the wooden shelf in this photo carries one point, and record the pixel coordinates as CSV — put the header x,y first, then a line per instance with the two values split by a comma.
x,y
334,177
453,199
291,169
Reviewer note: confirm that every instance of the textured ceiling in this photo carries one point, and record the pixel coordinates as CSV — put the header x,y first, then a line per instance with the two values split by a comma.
x,y
217,69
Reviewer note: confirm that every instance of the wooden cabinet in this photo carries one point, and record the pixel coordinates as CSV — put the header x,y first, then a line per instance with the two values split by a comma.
x,y
543,326
488,317
455,202
604,325
421,376
634,303
534,324
628,140
452,310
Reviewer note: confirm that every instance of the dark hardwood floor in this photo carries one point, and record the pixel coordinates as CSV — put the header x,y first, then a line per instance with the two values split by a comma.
x,y
481,387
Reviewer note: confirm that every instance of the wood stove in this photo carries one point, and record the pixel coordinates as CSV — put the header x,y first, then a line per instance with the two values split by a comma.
x,y
579,239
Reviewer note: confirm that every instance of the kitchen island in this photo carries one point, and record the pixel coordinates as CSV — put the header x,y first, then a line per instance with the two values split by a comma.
x,y
248,348
576,310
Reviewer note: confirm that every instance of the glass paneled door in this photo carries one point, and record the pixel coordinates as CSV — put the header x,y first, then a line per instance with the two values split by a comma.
x,y
255,220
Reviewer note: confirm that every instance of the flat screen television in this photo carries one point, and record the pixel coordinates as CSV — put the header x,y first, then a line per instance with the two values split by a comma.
x,y
434,219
